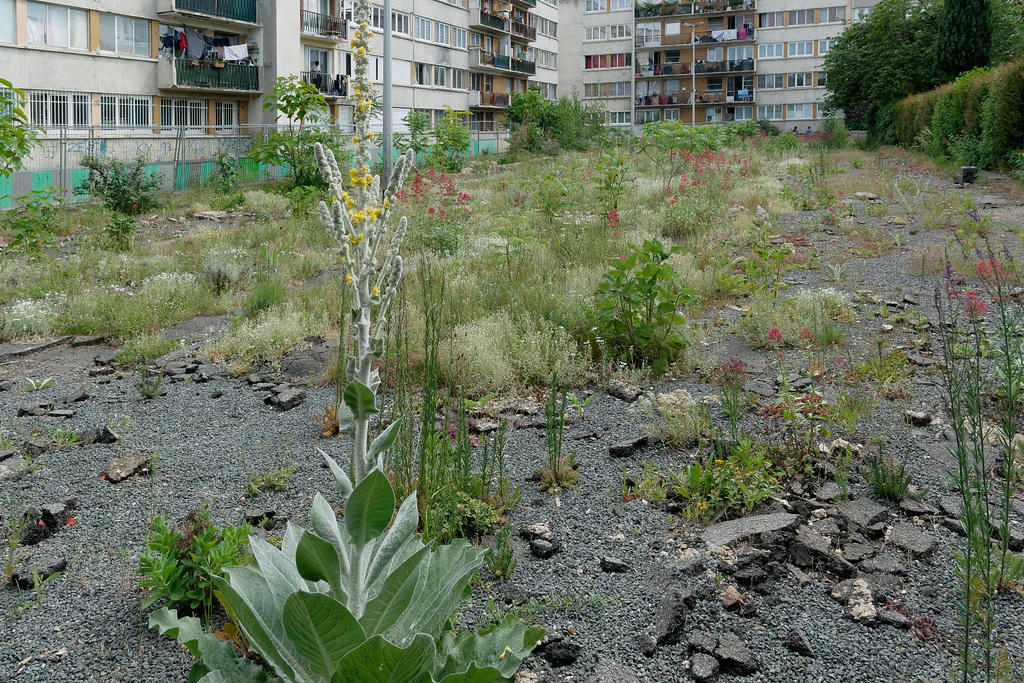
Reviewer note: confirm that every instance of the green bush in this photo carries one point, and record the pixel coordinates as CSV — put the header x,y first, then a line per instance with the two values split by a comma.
x,y
266,293
33,223
126,188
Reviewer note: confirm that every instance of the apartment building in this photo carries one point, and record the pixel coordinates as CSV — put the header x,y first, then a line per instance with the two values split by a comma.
x,y
597,54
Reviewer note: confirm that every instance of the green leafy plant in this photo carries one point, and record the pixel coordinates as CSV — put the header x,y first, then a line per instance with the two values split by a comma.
x,y
451,140
37,384
267,293
149,386
17,135
612,174
182,563
501,559
416,140
14,525
121,230
560,470
887,476
638,301
275,479
33,223
126,188
717,486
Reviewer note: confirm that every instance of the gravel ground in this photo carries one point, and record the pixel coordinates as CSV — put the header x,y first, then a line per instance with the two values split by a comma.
x,y
87,624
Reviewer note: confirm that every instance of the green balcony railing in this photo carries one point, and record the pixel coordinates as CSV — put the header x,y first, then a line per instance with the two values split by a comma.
x,y
493,21
225,77
524,66
528,3
238,10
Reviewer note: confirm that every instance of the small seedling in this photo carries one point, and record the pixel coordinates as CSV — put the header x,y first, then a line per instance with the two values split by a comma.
x,y
37,384
276,479
835,272
149,386
500,559
65,438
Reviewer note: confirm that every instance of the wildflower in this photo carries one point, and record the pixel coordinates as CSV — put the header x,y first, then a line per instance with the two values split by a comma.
x,y
774,335
805,333
71,521
975,305
348,278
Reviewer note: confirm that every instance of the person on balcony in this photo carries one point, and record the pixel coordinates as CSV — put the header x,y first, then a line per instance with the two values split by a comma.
x,y
316,67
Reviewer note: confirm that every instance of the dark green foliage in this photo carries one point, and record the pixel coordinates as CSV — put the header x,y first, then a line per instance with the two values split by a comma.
x,y
266,293
568,122
126,188
501,559
121,230
965,36
416,139
181,563
451,141
17,135
887,477
33,223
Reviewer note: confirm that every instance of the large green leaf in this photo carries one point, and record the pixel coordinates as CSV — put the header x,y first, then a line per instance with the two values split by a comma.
x,y
379,661
387,607
369,508
398,543
325,523
500,648
317,560
360,398
384,440
340,475
215,657
321,629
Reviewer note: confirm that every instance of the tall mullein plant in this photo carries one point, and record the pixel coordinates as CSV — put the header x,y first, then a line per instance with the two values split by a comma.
x,y
357,219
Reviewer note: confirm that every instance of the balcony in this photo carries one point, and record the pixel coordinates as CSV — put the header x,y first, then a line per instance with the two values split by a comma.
x,y
523,31
734,65
663,70
190,74
243,11
324,25
491,60
330,85
669,9
648,40
485,19
525,3
491,100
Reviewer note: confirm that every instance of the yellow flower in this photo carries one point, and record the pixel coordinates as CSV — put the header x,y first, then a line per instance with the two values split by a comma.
x,y
354,43
355,140
364,26
372,136
361,52
348,278
352,172
349,203
360,237
387,203
356,33
344,195
370,34
333,199
375,292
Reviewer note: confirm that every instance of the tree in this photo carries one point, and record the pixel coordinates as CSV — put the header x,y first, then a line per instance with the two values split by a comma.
x,y
296,99
965,36
451,140
416,140
881,60
17,135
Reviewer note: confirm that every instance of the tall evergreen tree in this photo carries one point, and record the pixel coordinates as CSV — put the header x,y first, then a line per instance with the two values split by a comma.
x,y
965,36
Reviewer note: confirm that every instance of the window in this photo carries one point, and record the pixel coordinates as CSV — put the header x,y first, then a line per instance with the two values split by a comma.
x,y
714,84
716,24
800,111
619,118
129,111
226,114
821,79
769,81
805,48
440,77
621,31
595,33
596,6
771,19
593,89
671,114
421,73
377,17
458,37
800,80
621,59
124,35
621,5
458,79
715,54
547,27
672,57
743,114
52,25
671,28
672,86
825,46
177,113
799,17
713,114
595,62
400,23
474,39
442,33
648,116
769,51
56,109
861,13
831,14
422,29
742,52
770,112
7,21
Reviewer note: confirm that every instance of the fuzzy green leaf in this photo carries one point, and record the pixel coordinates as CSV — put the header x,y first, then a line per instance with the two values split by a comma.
x,y
370,508
360,398
387,607
317,560
379,661
321,629
384,440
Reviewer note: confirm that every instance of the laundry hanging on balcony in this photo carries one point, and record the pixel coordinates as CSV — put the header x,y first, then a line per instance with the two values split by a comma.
x,y
235,52
196,45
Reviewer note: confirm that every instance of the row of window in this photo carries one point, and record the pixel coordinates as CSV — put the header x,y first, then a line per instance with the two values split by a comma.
x,y
547,27
48,109
612,61
543,58
439,32
802,48
794,80
58,26
613,32
802,17
613,89
675,86
438,76
606,5
774,112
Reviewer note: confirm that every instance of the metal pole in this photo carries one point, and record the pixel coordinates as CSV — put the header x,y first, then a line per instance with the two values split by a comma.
x,y
693,71
388,122
632,87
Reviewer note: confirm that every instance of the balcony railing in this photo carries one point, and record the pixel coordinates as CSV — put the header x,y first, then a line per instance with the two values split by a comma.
x,y
524,66
663,70
190,73
740,65
669,9
648,40
528,3
505,63
498,100
324,25
492,21
521,29
237,10
330,85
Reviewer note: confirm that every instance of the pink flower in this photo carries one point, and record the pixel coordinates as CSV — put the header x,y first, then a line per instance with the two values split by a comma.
x,y
774,335
805,333
975,305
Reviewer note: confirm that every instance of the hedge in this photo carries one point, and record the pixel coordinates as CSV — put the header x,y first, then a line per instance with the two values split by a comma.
x,y
984,107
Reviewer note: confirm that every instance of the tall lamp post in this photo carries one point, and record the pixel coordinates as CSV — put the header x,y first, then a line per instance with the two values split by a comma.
x,y
693,71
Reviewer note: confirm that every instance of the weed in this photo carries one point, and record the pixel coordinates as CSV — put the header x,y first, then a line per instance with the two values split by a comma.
x,y
12,537
887,476
128,188
500,559
835,272
221,272
674,419
149,386
121,231
145,347
33,223
65,437
37,384
274,479
718,486
560,471
267,293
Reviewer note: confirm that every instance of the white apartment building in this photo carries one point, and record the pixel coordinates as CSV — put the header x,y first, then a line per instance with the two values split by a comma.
x,y
597,54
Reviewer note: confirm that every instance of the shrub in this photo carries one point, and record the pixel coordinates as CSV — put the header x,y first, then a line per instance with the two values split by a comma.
x,y
33,223
737,484
451,141
261,339
126,188
121,230
269,292
220,271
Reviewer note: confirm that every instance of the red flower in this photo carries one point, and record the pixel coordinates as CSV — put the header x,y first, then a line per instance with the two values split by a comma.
x,y
71,521
774,335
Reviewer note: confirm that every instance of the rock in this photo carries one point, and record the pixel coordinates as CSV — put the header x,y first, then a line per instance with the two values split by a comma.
x,y
894,618
866,196
917,418
921,361
910,539
286,399
104,357
801,383
623,390
702,641
967,174
535,530
670,615
36,447
751,576
861,605
120,469
267,520
101,371
561,653
12,468
543,548
611,671
648,645
828,527
760,387
56,515
811,549
6,385
613,565
862,512
624,449
883,564
909,300
796,641
104,435
76,396
828,492
217,394
33,410
7,453
913,506
855,552
44,565
734,656
65,414
732,599
725,533
703,667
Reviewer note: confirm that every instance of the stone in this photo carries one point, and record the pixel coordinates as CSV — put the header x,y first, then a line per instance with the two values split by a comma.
x,y
103,435
734,656
828,492
87,340
104,357
670,615
909,300
624,449
121,468
76,396
543,548
917,418
796,641
861,605
884,564
217,394
6,385
64,414
703,667
7,453
36,447
895,619
44,565
611,671
12,468
732,599
725,533
866,196
812,550
910,539
761,387
561,653
33,410
702,641
102,371
535,530
862,512
855,552
648,645
801,383
828,527
967,174
919,508
623,391
56,515
614,565
921,361
286,400
750,577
